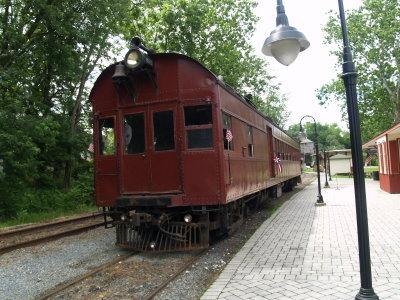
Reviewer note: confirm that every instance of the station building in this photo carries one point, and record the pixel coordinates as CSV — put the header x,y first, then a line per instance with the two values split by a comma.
x,y
339,161
387,145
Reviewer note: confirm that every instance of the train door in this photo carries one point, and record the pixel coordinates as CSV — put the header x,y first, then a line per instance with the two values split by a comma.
x,y
106,159
135,161
150,155
165,150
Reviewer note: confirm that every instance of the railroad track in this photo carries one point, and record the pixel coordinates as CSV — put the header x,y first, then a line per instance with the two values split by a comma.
x,y
36,234
186,266
62,287
108,271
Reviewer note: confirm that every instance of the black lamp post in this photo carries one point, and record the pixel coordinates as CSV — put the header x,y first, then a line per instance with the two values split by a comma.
x,y
326,170
329,167
349,78
320,199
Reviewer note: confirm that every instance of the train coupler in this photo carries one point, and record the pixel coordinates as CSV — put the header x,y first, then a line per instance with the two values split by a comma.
x,y
174,236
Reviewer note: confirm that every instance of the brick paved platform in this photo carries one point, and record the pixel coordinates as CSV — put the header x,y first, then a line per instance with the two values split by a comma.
x,y
308,252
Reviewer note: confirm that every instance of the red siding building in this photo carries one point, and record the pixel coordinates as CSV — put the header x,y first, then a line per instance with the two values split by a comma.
x,y
388,147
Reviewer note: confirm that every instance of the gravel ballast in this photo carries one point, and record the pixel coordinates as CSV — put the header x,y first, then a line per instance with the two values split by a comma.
x,y
26,273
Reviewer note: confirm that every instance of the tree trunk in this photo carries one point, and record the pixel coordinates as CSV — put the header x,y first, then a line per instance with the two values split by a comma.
x,y
75,115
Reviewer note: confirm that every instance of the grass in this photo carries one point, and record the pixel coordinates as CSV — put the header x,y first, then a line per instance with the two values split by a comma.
x,y
367,172
25,218
371,168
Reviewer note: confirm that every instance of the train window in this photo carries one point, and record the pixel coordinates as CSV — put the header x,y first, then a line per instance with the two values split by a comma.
x,y
228,138
198,115
199,138
107,136
163,124
134,134
250,149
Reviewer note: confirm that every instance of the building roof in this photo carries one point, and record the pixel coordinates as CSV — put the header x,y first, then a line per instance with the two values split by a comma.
x,y
340,156
306,141
338,151
393,132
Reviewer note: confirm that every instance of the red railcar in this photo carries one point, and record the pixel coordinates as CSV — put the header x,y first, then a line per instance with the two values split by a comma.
x,y
178,154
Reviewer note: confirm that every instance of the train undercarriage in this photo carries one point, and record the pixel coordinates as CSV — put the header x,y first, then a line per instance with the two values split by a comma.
x,y
161,229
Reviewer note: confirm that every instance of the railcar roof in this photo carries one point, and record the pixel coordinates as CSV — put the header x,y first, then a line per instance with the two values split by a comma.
x,y
220,82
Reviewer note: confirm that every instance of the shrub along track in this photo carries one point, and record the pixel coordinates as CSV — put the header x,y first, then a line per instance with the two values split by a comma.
x,y
17,237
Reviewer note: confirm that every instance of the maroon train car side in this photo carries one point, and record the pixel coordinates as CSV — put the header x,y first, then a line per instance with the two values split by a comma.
x,y
178,155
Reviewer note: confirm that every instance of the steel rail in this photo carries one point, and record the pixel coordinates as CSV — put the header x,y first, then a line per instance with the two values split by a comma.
x,y
34,227
49,238
173,277
55,291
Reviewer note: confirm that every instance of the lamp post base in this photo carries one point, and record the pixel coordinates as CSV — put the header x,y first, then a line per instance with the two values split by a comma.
x,y
366,294
320,201
327,184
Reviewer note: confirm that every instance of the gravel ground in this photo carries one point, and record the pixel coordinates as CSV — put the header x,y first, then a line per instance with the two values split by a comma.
x,y
29,272
133,279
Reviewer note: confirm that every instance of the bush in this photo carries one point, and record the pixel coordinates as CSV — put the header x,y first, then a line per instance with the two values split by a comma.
x,y
30,204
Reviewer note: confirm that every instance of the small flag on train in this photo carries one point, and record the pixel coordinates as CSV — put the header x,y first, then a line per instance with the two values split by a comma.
x,y
229,136
91,148
278,161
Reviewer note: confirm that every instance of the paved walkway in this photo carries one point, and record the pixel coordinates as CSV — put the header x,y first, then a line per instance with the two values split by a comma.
x,y
308,252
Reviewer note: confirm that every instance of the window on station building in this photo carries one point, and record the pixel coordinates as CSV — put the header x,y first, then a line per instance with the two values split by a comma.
x,y
250,150
163,125
107,136
198,126
134,136
227,132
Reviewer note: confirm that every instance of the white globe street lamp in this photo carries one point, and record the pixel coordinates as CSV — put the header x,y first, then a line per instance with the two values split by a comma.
x,y
285,42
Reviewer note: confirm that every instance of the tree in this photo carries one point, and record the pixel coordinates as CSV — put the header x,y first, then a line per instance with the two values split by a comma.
x,y
374,31
217,34
48,51
330,136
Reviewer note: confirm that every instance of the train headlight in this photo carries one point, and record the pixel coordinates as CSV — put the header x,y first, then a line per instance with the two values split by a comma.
x,y
187,218
123,218
152,245
136,59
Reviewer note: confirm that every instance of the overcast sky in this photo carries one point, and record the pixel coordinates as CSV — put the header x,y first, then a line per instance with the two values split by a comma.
x,y
314,66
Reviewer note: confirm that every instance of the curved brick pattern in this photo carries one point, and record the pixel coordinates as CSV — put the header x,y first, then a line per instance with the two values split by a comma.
x,y
308,252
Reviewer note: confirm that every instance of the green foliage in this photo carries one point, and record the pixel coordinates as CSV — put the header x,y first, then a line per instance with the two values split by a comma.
x,y
48,51
30,204
374,31
330,136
